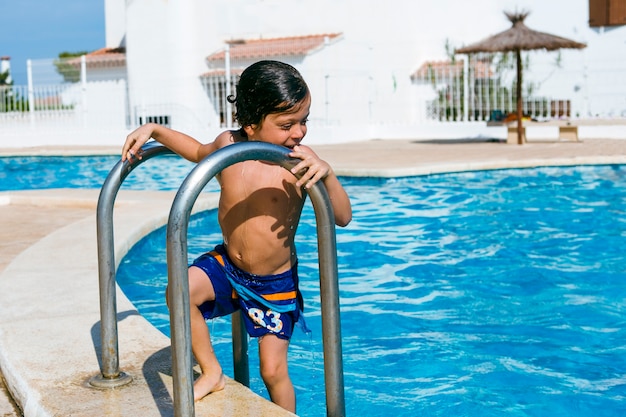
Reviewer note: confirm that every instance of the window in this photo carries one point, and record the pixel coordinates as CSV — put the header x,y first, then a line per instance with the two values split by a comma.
x,y
161,120
215,86
607,13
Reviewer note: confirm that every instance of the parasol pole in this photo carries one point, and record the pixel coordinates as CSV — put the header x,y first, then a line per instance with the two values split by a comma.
x,y
519,96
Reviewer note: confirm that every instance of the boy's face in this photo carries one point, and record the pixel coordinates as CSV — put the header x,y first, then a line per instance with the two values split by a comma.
x,y
285,129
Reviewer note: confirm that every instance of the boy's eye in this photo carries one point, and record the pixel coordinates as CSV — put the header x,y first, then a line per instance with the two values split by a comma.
x,y
288,126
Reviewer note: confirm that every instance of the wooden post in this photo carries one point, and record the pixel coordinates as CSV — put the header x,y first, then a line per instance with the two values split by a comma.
x,y
519,97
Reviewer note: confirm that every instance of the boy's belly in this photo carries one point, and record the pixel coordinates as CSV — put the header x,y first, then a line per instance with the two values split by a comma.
x,y
261,256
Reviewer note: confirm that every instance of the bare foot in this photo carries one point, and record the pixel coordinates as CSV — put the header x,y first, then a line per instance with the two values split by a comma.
x,y
206,384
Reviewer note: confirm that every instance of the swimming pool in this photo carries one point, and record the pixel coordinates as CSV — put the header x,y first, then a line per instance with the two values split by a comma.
x,y
476,294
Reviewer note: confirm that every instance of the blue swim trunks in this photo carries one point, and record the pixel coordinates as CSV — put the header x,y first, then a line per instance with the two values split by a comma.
x,y
270,304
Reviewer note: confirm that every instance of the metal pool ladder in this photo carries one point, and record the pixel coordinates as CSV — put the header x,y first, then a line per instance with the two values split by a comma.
x,y
177,227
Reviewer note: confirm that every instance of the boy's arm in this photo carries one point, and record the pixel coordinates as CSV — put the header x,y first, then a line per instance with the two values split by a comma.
x,y
314,169
339,199
184,145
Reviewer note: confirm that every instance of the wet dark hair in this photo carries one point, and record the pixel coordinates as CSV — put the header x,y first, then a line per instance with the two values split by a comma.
x,y
267,87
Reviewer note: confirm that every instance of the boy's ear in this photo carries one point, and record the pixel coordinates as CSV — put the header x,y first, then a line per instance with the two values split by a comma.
x,y
249,129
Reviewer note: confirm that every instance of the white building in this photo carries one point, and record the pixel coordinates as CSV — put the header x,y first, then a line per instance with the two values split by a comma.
x,y
359,71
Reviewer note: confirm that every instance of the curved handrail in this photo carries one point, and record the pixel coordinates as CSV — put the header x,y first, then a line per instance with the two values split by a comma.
x,y
110,374
178,283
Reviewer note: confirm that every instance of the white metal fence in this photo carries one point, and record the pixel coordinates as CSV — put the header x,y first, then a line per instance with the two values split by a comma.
x,y
91,109
480,89
59,102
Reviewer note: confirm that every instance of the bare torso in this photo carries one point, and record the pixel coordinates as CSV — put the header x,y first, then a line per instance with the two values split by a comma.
x,y
259,211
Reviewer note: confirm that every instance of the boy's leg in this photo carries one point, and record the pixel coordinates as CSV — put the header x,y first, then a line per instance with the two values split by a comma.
x,y
274,371
211,379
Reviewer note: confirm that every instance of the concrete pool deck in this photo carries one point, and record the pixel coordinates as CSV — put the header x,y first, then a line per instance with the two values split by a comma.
x,y
49,302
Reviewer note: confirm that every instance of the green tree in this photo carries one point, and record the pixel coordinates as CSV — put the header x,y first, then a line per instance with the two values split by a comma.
x,y
7,95
68,67
4,76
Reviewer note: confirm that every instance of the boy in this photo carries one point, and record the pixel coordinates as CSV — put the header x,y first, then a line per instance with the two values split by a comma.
x,y
255,269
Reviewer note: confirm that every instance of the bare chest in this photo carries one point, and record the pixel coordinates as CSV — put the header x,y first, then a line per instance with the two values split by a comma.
x,y
259,184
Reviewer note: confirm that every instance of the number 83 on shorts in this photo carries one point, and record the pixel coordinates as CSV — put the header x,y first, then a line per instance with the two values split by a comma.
x,y
267,319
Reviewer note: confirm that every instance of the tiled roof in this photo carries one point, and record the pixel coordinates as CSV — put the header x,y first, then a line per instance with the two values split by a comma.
x,y
108,57
441,69
220,72
103,57
271,47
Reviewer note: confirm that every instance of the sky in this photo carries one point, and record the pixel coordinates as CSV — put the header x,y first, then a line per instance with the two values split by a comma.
x,y
41,29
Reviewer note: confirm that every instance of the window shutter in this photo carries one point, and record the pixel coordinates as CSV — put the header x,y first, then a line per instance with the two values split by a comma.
x,y
607,13
617,12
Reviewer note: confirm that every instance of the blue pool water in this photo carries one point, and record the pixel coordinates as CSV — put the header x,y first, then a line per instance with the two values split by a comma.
x,y
36,172
497,293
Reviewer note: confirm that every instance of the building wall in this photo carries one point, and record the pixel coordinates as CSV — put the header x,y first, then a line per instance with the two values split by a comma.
x,y
383,43
115,23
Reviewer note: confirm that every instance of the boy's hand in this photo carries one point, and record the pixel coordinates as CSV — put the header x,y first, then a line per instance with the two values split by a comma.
x,y
312,167
135,140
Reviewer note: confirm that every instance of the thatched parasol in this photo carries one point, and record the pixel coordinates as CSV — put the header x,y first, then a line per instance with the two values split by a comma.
x,y
516,39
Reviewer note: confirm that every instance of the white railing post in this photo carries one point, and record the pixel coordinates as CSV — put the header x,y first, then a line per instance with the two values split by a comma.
x,y
229,107
457,93
31,92
83,88
326,71
466,88
445,87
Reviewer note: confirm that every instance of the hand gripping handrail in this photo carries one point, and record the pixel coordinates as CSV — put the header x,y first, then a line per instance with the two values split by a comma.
x,y
110,374
178,222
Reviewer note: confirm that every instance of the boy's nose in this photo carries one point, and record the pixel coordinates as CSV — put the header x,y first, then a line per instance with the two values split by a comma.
x,y
298,131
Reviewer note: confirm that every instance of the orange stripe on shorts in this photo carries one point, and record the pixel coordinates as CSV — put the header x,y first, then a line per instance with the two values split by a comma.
x,y
218,257
280,296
